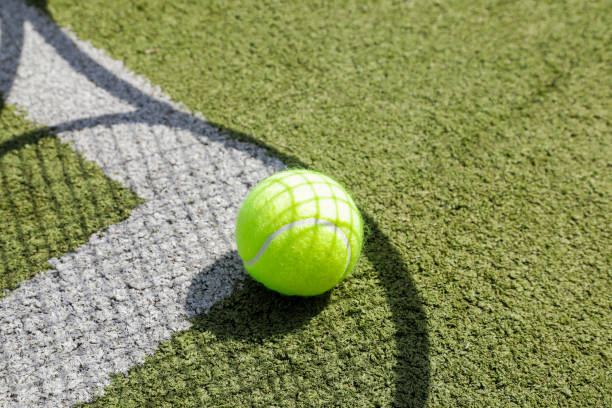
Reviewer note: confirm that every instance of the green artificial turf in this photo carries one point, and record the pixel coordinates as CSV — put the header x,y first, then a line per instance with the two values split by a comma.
x,y
51,199
475,135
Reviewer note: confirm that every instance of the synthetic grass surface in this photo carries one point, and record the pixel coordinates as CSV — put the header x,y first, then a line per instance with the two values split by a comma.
x,y
51,199
476,137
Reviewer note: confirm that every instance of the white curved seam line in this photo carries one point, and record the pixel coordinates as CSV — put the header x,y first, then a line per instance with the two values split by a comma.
x,y
305,221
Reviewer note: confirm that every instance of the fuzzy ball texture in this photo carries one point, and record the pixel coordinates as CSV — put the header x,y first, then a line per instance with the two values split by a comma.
x,y
299,233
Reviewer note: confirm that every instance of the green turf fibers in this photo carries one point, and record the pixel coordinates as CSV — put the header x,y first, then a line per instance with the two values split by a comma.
x,y
476,137
51,199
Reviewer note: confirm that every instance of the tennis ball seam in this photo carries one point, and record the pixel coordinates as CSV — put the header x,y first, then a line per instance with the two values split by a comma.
x,y
298,223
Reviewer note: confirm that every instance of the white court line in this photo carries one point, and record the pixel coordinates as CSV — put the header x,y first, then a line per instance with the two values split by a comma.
x,y
113,300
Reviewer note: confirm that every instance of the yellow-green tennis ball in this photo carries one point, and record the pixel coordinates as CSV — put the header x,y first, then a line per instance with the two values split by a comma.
x,y
299,233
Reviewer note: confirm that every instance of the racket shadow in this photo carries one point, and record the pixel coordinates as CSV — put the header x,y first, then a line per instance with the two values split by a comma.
x,y
271,314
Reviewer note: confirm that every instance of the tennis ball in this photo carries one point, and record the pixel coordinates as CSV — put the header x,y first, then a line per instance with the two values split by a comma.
x,y
299,233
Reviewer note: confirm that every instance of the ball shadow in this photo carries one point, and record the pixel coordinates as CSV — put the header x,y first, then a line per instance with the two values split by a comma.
x,y
238,316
